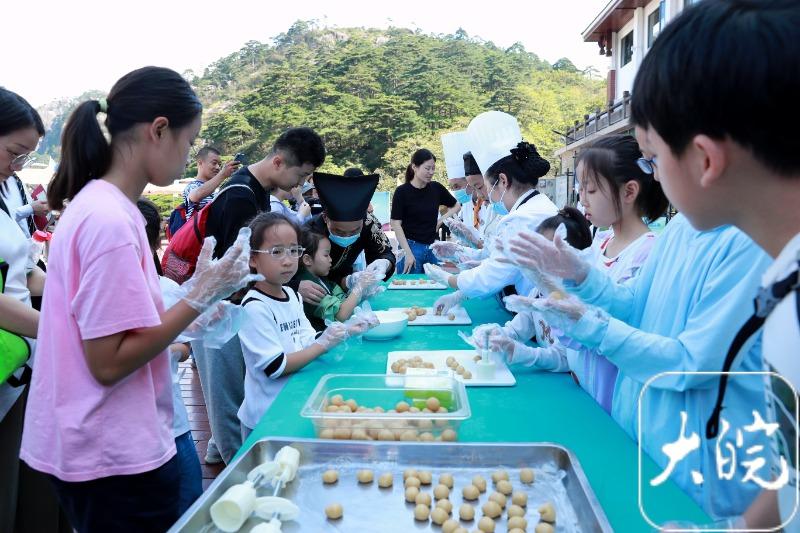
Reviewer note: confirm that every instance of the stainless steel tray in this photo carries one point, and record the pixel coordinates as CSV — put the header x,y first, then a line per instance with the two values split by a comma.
x,y
559,479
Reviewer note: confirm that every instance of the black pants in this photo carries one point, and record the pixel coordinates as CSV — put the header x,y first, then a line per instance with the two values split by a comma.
x,y
146,502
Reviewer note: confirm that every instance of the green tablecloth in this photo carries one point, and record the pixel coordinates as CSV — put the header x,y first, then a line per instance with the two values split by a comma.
x,y
541,407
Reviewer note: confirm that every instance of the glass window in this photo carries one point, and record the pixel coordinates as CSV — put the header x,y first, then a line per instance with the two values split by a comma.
x,y
654,25
627,49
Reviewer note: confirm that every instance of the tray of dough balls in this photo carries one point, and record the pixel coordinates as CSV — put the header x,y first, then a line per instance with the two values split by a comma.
x,y
423,408
427,316
349,486
416,284
464,365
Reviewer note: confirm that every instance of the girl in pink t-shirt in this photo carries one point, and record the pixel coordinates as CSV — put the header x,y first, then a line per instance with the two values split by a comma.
x,y
99,414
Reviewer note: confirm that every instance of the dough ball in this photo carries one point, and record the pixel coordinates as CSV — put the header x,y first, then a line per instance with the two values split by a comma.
x,y
450,360
499,475
427,437
433,404
467,374
424,498
517,522
386,434
359,434
492,509
498,498
334,511
505,487
466,512
412,481
330,476
461,530
479,482
544,527
345,409
450,526
411,494
519,498
334,408
439,515
413,409
445,504
412,317
342,433
364,476
526,476
337,399
425,424
515,510
409,472
451,316
486,525
446,480
386,480
448,435
408,435
421,512
428,365
422,311
470,492
425,477
441,492
547,513
401,407
326,433
352,405
516,530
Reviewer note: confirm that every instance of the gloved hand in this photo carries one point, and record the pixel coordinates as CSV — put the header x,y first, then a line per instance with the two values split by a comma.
x,y
360,322
467,265
215,279
363,283
564,313
216,326
557,258
480,335
466,234
437,274
379,268
512,350
447,302
544,282
334,334
445,250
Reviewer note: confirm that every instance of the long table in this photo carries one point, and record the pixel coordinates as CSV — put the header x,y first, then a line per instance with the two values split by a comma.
x,y
543,407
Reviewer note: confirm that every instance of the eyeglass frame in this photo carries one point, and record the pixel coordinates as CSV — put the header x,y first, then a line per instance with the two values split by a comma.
x,y
648,165
15,161
279,252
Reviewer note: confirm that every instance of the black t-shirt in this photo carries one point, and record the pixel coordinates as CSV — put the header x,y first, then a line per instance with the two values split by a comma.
x,y
418,209
233,210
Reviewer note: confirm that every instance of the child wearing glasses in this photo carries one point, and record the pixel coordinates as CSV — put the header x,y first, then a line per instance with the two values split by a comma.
x,y
315,265
276,337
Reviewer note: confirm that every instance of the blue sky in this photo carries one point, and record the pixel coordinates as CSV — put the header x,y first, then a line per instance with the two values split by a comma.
x,y
63,48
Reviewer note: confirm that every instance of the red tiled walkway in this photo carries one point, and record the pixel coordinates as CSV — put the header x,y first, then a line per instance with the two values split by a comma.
x,y
198,419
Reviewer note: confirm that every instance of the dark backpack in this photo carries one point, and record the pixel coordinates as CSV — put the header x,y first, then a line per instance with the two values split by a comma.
x,y
176,220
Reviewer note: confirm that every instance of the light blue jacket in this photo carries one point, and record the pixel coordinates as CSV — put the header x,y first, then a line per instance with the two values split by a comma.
x,y
681,313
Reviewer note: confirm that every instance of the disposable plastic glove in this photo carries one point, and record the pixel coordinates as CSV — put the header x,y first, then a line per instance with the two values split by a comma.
x,y
445,250
564,314
466,234
512,350
360,322
467,265
448,302
379,268
334,335
557,258
480,335
215,279
362,285
438,274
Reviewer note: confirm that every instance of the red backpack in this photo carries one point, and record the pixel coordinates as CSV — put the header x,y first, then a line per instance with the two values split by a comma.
x,y
180,257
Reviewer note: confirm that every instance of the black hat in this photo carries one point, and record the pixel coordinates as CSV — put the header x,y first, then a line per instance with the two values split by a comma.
x,y
345,199
470,165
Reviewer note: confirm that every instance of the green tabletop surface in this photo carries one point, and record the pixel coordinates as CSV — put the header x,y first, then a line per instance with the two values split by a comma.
x,y
541,407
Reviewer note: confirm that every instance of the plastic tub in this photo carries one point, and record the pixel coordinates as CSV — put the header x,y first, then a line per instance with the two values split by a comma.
x,y
370,391
392,324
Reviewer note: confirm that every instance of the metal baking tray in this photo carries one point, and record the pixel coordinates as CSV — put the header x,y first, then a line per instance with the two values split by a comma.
x,y
559,479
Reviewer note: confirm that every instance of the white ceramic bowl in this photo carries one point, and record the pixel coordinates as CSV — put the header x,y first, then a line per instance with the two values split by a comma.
x,y
392,324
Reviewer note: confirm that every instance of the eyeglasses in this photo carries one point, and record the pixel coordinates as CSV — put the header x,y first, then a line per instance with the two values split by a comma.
x,y
648,166
279,252
19,161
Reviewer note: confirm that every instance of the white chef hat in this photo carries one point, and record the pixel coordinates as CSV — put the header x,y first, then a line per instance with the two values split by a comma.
x,y
491,136
454,146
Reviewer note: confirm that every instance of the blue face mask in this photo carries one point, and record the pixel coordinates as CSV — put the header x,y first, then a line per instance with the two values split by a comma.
x,y
462,196
498,206
344,242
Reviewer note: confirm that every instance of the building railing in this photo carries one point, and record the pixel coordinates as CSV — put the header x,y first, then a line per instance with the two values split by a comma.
x,y
600,120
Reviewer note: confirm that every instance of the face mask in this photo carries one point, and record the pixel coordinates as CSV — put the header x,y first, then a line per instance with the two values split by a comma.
x,y
461,196
344,242
498,206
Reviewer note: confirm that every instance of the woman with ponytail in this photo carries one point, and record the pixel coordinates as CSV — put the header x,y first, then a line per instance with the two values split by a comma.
x,y
99,415
415,212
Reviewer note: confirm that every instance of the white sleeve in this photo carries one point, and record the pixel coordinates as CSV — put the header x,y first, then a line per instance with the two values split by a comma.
x,y
553,358
23,212
260,340
522,327
307,332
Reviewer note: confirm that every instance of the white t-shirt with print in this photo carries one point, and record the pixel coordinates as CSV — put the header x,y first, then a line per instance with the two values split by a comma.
x,y
272,329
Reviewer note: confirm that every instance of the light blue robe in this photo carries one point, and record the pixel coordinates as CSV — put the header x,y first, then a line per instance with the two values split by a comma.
x,y
681,313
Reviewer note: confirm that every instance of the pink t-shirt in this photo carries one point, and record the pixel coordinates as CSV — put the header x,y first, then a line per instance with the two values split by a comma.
x,y
101,280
